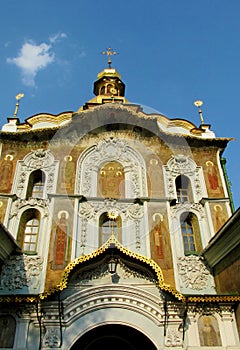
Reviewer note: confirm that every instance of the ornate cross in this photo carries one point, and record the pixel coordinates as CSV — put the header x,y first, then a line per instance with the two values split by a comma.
x,y
109,53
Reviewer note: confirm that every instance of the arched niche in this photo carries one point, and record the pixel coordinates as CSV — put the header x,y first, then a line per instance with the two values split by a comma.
x,y
111,150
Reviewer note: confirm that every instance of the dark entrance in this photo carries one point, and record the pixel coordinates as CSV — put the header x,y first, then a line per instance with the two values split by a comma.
x,y
113,337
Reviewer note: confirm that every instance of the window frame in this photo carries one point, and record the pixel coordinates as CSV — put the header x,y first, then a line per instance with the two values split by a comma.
x,y
29,215
106,222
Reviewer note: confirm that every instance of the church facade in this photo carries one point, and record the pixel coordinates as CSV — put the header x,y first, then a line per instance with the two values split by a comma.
x,y
107,215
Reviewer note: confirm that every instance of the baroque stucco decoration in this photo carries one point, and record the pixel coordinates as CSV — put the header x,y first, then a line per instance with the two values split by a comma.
x,y
90,210
20,272
186,207
183,165
51,338
127,211
28,203
38,159
102,270
194,276
174,338
111,150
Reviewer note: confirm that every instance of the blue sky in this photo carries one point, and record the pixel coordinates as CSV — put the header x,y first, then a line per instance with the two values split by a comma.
x,y
170,54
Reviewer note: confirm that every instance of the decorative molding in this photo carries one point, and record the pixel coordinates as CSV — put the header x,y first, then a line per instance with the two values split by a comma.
x,y
92,274
39,159
111,150
83,240
102,270
87,211
182,165
92,210
187,207
51,338
31,202
21,271
174,337
193,273
134,211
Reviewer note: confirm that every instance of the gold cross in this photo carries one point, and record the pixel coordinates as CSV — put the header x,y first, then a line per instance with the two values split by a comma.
x,y
109,53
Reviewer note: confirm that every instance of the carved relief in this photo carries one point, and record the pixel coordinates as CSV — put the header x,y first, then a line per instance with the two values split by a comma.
x,y
102,270
182,165
135,211
173,338
86,276
87,210
20,271
114,150
51,338
38,159
188,207
31,202
193,273
92,211
131,211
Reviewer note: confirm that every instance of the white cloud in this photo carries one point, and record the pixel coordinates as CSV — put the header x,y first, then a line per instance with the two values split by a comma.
x,y
32,58
56,37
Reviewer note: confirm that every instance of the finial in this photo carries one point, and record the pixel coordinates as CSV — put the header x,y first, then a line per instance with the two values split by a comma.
x,y
198,104
18,98
109,53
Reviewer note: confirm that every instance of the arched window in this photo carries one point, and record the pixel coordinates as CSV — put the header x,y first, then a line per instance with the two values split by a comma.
x,y
28,230
102,90
190,233
36,184
7,331
108,227
209,331
183,189
111,180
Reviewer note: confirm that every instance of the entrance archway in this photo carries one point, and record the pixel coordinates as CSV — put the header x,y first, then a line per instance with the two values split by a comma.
x,y
113,337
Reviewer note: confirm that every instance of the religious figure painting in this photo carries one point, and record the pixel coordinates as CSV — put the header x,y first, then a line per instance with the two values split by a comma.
x,y
208,331
7,331
212,176
154,176
67,173
111,180
6,172
219,216
61,242
161,249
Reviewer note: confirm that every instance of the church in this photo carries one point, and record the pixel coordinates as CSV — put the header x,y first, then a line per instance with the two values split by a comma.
x,y
118,230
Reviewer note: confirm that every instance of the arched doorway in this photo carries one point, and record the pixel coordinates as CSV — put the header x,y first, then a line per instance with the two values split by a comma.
x,y
113,337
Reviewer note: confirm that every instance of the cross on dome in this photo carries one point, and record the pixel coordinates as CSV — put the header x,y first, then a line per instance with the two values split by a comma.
x,y
109,53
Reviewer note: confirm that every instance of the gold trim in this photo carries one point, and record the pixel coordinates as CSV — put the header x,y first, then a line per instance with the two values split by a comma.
x,y
49,118
112,240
